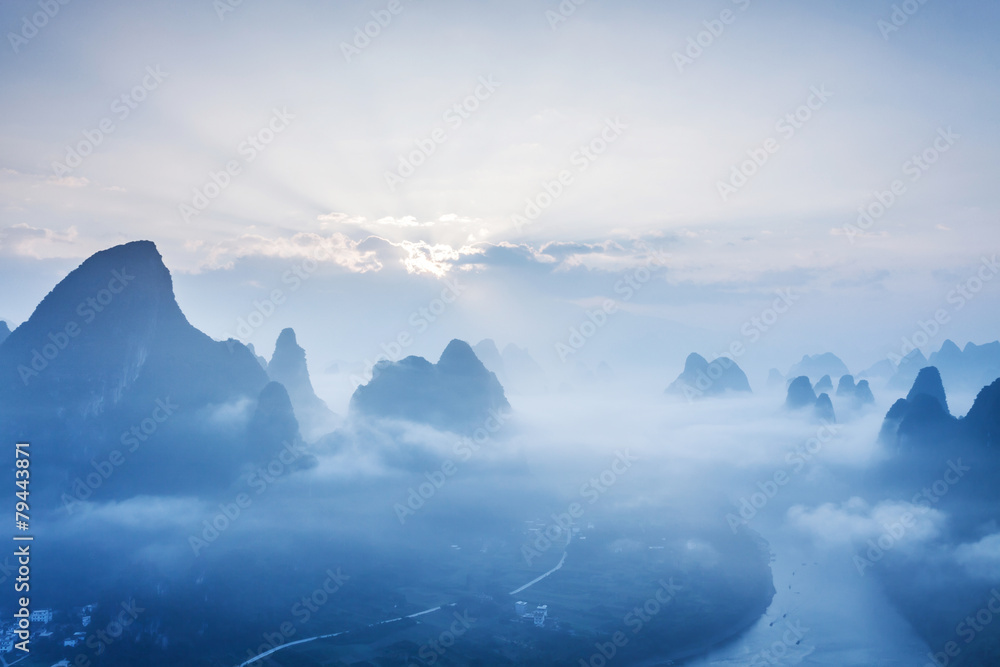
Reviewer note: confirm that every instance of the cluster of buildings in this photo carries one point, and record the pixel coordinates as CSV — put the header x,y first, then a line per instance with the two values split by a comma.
x,y
538,616
8,636
40,618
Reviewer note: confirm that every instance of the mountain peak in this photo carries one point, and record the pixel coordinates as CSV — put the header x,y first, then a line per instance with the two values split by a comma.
x,y
289,368
459,355
456,394
701,378
928,382
694,363
286,340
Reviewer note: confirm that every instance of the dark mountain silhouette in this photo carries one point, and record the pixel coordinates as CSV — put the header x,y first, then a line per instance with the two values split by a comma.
x,y
273,426
4,331
846,386
824,384
928,382
922,418
456,394
863,394
104,351
823,409
701,378
800,394
288,366
982,424
818,365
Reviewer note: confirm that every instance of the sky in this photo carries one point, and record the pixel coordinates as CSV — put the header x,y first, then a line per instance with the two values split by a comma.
x,y
537,153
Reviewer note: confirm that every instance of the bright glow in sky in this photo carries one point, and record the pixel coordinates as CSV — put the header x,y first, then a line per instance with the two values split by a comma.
x,y
592,117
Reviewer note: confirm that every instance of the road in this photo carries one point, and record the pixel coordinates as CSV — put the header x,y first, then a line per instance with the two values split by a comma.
x,y
400,618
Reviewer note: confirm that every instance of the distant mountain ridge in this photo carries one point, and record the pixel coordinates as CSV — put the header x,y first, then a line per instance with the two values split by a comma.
x,y
456,394
701,378
816,366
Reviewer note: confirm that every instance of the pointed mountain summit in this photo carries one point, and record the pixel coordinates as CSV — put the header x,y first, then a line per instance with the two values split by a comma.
x,y
863,394
825,384
800,393
4,331
111,332
922,418
288,366
107,348
823,409
701,378
929,382
846,386
456,394
982,423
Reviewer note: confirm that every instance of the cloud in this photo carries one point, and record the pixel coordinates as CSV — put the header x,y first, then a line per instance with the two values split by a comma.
x,y
141,512
40,242
981,559
335,248
856,521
